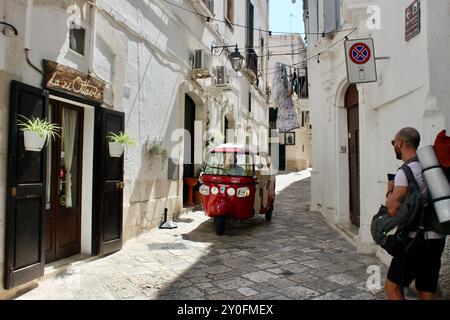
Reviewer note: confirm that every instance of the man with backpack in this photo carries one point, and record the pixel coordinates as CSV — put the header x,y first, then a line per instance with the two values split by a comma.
x,y
422,261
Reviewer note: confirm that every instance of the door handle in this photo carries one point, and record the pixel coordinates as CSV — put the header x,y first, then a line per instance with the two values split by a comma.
x,y
13,192
120,185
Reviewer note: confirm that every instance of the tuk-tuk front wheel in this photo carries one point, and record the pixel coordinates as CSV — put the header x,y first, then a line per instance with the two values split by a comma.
x,y
219,224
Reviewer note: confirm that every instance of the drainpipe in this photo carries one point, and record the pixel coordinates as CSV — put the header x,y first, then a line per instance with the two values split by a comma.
x,y
93,35
28,24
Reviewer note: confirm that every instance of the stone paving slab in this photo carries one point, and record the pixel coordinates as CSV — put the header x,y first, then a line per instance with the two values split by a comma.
x,y
296,256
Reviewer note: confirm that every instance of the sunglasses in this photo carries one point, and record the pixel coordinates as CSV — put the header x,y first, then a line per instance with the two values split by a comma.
x,y
393,142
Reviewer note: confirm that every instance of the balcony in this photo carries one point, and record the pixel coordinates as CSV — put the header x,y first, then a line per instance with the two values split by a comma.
x,y
251,59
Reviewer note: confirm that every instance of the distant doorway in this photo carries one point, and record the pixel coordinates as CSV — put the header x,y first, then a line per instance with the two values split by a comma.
x,y
282,165
352,106
189,126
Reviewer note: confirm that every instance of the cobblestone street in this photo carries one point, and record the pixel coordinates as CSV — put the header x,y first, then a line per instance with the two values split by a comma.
x,y
296,256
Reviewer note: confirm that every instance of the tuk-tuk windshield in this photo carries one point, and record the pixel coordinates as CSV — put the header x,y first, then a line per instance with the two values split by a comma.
x,y
230,164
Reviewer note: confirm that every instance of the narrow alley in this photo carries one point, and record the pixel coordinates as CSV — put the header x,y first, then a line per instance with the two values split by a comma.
x,y
297,256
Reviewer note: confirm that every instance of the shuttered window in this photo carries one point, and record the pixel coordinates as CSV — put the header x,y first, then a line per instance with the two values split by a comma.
x,y
229,11
332,15
210,5
250,23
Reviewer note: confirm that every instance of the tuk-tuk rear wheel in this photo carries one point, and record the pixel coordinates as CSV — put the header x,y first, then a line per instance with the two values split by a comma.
x,y
269,214
219,224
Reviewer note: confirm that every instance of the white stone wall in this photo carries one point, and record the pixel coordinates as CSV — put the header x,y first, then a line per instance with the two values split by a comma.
x,y
142,49
412,90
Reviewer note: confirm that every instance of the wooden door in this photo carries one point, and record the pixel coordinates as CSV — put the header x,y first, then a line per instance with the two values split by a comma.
x,y
352,105
25,196
108,185
189,126
64,180
282,165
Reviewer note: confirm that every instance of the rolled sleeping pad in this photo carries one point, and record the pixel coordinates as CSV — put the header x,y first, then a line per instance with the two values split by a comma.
x,y
437,182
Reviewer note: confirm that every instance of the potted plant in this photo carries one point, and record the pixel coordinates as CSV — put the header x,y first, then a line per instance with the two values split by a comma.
x,y
157,149
117,143
36,132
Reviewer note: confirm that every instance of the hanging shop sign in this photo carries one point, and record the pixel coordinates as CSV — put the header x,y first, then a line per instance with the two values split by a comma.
x,y
69,80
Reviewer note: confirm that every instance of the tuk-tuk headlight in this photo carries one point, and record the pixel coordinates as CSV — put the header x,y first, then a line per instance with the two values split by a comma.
x,y
204,190
243,192
214,190
231,192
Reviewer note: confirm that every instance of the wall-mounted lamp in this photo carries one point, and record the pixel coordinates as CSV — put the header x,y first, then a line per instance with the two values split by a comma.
x,y
9,30
236,57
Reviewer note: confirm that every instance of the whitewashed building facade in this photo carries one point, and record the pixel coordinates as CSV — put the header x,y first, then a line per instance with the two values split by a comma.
x,y
116,66
354,124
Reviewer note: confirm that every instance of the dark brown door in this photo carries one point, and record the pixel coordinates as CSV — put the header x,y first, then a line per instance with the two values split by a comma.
x,y
63,192
189,126
25,196
282,164
352,105
108,185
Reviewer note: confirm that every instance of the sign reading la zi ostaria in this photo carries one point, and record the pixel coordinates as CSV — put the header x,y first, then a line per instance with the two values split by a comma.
x,y
64,78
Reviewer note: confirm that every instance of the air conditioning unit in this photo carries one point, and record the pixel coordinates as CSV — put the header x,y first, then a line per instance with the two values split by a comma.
x,y
199,64
222,78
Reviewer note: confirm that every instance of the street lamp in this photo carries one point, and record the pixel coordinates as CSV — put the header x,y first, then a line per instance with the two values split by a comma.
x,y
236,57
9,30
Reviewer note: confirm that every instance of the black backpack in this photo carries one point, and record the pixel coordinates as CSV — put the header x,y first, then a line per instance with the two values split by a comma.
x,y
392,233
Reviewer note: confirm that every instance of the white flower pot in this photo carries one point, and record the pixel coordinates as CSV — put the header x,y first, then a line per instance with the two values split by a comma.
x,y
33,141
115,149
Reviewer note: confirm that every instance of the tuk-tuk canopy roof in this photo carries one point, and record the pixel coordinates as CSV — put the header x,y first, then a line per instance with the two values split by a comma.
x,y
235,148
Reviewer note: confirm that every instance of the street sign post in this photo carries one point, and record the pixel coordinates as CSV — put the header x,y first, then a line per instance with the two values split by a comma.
x,y
360,58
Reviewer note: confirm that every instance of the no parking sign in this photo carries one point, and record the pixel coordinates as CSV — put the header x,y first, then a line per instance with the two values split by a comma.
x,y
360,58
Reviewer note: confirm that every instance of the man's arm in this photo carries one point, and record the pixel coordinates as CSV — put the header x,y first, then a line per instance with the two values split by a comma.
x,y
395,199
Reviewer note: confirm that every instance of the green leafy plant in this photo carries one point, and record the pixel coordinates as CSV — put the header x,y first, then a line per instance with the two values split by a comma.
x,y
122,138
42,127
158,149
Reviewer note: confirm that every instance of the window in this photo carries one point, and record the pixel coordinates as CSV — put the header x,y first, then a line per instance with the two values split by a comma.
x,y
250,23
210,5
229,12
249,102
332,15
77,40
262,56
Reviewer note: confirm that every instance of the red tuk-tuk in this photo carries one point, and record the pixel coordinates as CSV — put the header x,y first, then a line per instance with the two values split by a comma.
x,y
236,184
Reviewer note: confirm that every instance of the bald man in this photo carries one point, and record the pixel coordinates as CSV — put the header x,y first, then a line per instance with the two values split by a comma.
x,y
423,262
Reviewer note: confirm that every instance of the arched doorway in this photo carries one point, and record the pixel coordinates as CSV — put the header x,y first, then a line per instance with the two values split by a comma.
x,y
352,106
229,129
189,126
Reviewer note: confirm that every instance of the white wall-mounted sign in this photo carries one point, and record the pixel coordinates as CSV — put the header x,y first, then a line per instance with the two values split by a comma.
x,y
360,58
